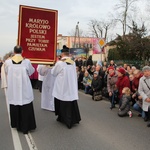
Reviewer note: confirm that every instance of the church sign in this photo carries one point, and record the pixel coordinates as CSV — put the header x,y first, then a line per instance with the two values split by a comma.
x,y
37,34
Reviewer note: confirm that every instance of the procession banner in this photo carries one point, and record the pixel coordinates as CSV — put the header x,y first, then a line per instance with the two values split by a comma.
x,y
37,34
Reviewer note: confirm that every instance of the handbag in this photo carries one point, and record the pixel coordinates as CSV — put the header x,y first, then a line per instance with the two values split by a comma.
x,y
97,96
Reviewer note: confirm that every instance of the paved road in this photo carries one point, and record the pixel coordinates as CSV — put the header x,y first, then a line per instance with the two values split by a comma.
x,y
100,129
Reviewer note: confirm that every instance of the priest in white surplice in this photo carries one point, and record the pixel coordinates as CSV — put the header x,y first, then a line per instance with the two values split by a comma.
x,y
19,92
47,100
65,90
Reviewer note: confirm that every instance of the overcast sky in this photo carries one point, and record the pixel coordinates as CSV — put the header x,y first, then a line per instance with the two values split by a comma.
x,y
69,13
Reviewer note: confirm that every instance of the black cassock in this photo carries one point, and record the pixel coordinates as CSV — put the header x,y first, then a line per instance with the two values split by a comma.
x,y
67,112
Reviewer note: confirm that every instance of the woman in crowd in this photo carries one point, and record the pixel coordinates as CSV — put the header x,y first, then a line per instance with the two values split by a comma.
x,y
80,78
135,84
137,99
87,79
129,70
111,82
112,63
78,72
144,91
96,85
101,73
105,76
123,81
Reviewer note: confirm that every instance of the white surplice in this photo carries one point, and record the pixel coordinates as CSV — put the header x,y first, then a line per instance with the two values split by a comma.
x,y
47,100
19,89
40,77
65,86
3,78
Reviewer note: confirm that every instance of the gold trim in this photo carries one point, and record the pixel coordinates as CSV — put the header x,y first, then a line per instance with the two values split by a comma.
x,y
19,26
68,60
40,62
35,59
17,58
38,8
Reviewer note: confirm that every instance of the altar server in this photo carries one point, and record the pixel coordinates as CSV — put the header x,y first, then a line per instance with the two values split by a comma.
x,y
47,100
19,92
40,78
65,90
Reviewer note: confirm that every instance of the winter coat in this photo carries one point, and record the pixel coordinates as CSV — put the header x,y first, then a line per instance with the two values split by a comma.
x,y
144,91
101,74
121,83
135,83
89,61
87,80
80,63
111,82
125,105
96,84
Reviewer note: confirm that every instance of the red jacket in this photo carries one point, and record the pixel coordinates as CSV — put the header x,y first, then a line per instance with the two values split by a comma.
x,y
135,83
121,83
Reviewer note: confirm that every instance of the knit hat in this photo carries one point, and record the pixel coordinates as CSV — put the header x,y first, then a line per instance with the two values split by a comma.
x,y
121,70
111,67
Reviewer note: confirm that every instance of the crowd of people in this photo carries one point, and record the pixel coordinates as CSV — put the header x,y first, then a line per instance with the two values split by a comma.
x,y
125,86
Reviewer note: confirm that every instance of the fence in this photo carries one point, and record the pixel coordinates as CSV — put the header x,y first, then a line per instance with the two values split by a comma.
x,y
137,63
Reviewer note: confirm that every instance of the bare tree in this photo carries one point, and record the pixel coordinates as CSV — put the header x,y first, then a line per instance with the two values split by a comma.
x,y
148,6
100,28
125,6
106,26
93,27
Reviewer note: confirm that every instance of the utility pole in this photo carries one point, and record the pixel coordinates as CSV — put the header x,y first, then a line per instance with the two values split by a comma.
x,y
77,35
